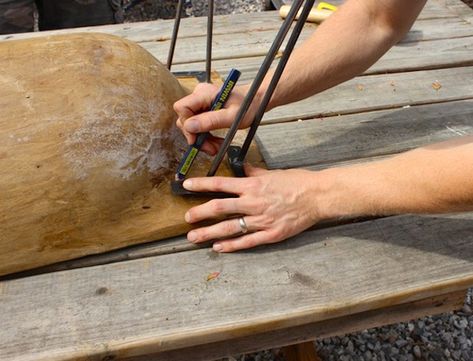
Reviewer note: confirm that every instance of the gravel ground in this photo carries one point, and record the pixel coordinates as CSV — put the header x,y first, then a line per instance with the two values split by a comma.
x,y
444,337
165,9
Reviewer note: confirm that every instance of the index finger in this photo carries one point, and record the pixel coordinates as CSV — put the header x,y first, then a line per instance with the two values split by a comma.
x,y
216,184
197,102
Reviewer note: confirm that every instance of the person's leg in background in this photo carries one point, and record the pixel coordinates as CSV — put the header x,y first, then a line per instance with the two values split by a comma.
x,y
59,14
16,16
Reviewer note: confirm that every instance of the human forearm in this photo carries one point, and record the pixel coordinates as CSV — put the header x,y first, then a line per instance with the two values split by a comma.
x,y
275,205
345,45
433,179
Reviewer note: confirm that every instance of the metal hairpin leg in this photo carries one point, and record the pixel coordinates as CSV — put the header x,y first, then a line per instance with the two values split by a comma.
x,y
237,155
208,58
275,79
210,21
175,30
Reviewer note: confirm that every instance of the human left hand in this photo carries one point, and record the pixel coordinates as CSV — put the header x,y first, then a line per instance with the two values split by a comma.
x,y
275,205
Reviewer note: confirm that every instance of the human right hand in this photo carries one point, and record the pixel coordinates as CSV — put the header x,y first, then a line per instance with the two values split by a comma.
x,y
194,116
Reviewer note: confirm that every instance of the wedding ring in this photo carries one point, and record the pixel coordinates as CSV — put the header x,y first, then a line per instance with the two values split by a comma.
x,y
243,226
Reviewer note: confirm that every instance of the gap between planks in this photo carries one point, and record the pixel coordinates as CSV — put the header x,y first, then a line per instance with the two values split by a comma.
x,y
257,42
378,92
272,144
152,249
196,26
439,245
319,143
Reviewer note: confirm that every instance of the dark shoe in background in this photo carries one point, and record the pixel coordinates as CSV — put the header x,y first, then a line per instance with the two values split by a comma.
x,y
16,16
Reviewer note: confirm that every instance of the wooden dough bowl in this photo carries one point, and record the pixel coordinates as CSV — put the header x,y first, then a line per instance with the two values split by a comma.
x,y
88,146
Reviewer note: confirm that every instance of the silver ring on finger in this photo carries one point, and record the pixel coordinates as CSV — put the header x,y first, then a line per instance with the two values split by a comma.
x,y
243,226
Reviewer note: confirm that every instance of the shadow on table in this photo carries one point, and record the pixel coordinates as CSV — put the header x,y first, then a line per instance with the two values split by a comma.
x,y
448,235
360,137
411,39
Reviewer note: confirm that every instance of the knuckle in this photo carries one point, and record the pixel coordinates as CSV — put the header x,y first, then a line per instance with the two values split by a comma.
x,y
250,242
213,120
216,206
217,183
261,207
228,247
254,183
269,220
201,235
229,228
177,106
200,87
276,235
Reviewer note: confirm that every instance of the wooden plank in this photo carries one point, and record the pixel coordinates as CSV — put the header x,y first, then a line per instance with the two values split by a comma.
x,y
160,30
165,303
346,163
301,352
333,327
431,54
325,141
151,249
256,43
456,7
384,91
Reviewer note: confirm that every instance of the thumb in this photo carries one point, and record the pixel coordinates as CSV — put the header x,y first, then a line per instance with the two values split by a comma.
x,y
252,171
208,121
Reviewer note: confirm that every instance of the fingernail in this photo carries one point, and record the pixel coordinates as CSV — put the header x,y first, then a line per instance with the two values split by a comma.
x,y
187,184
192,126
192,236
217,247
187,217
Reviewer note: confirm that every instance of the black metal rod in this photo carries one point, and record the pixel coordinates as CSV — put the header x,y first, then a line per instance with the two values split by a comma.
x,y
210,24
175,30
255,86
276,77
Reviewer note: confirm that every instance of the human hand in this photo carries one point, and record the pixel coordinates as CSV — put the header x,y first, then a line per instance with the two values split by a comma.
x,y
275,205
194,116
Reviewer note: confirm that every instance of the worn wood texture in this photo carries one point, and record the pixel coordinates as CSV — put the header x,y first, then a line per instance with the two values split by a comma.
x,y
459,8
430,54
328,328
325,141
161,30
88,147
255,38
257,43
381,92
386,270
85,314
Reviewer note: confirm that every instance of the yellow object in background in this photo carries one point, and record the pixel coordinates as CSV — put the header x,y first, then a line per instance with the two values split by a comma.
x,y
317,14
326,6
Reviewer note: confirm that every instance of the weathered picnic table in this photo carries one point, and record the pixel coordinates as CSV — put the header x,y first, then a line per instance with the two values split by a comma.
x,y
170,300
